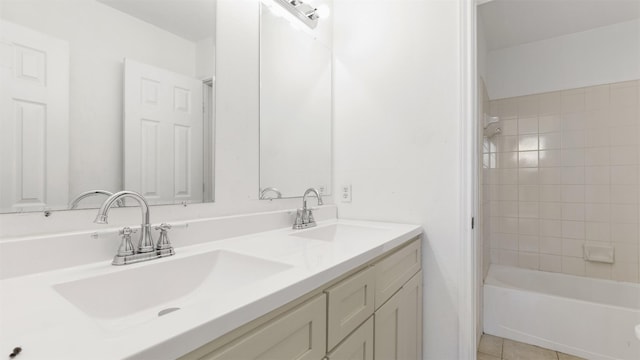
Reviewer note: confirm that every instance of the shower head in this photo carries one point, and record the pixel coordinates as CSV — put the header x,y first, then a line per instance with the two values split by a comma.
x,y
491,126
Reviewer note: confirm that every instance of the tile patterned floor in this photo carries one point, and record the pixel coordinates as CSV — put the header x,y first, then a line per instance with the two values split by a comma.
x,y
496,348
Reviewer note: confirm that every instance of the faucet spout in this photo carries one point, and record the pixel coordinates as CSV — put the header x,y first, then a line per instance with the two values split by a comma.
x,y
74,203
146,241
309,191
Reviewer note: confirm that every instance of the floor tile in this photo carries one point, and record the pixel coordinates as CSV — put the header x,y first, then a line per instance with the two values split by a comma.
x,y
491,345
513,350
563,356
482,356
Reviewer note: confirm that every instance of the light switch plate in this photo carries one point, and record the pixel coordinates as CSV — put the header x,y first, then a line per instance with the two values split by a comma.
x,y
345,193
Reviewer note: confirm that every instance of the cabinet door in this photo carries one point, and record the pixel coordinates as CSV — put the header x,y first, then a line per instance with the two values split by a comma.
x,y
395,270
398,324
350,303
357,346
299,334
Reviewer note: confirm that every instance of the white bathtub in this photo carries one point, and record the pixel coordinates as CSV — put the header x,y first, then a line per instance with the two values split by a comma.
x,y
590,318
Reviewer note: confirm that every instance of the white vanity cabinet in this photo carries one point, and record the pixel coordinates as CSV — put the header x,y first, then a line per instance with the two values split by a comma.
x,y
357,346
373,312
297,335
398,323
350,304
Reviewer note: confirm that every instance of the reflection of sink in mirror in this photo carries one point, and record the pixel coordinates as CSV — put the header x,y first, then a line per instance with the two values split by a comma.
x,y
122,293
340,232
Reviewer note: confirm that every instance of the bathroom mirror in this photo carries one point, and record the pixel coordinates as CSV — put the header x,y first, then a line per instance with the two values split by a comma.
x,y
295,101
105,94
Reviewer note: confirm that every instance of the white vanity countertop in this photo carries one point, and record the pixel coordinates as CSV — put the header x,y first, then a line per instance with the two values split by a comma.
x,y
34,316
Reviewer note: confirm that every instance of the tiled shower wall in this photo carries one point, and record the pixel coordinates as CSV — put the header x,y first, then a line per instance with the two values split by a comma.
x,y
563,173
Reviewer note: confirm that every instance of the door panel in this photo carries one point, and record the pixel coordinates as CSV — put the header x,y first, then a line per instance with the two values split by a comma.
x,y
34,125
163,129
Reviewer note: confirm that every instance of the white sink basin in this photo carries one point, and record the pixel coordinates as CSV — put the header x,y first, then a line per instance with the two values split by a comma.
x,y
149,285
340,232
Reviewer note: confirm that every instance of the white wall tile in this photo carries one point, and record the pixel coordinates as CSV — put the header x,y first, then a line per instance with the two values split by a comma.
x,y
624,175
551,263
573,229
573,157
573,101
551,245
550,228
572,247
549,123
507,143
528,209
573,193
597,97
549,176
597,175
625,213
550,141
574,121
551,210
573,266
550,103
597,137
528,260
530,243
598,270
528,176
598,156
569,174
597,212
550,158
573,211
627,233
597,231
528,125
573,175
625,272
528,159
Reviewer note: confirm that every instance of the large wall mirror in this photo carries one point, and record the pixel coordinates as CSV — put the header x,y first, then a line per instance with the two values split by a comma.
x,y
295,98
108,95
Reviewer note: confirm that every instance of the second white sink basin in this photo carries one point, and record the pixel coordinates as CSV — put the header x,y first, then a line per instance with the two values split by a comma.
x,y
339,232
146,286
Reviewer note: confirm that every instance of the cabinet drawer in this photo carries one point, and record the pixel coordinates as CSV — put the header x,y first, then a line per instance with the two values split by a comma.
x,y
395,270
350,302
357,346
298,334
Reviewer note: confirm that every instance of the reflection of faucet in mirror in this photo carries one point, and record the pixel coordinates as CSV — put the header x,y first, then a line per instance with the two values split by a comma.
x,y
86,194
304,216
146,242
263,193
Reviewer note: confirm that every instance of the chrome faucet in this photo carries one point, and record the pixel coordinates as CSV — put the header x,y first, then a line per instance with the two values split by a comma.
x,y
86,194
145,249
304,216
263,193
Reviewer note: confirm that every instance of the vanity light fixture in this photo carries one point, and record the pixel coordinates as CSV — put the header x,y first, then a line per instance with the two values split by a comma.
x,y
304,12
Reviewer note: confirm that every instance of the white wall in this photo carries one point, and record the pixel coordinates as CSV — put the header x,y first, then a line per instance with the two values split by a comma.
x,y
397,136
482,49
205,58
599,56
99,37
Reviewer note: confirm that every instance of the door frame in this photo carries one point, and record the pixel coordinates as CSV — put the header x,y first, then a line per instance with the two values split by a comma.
x,y
469,287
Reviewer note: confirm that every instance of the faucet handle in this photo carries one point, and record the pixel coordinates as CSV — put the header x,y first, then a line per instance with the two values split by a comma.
x,y
126,247
163,239
163,227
